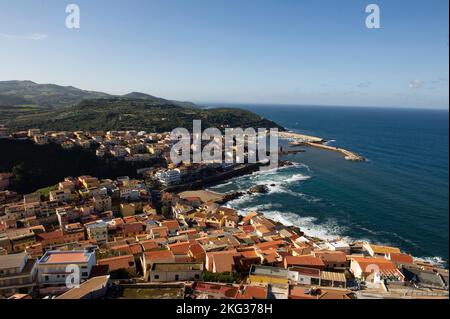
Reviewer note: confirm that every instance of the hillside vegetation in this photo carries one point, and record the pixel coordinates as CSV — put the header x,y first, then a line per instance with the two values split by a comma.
x,y
120,113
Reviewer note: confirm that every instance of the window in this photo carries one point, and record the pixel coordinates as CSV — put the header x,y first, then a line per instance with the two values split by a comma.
x,y
197,276
177,277
155,277
84,274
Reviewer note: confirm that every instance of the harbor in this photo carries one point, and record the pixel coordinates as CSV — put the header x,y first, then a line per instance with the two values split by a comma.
x,y
318,142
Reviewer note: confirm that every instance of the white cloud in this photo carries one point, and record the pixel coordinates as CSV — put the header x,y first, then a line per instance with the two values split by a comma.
x,y
365,84
33,36
416,84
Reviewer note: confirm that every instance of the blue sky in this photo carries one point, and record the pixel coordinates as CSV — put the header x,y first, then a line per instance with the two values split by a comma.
x,y
246,51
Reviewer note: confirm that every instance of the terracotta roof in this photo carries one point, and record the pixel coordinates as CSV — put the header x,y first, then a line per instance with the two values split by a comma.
x,y
180,248
69,257
331,256
400,258
159,256
253,292
223,262
170,224
136,248
248,228
161,231
384,266
304,261
270,244
197,251
149,245
49,236
121,262
123,248
249,254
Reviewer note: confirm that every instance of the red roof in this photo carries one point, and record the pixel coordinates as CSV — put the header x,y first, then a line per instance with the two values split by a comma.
x,y
226,291
123,248
170,224
306,261
331,256
181,248
271,244
253,292
400,258
136,248
383,266
67,257
222,261
159,256
121,262
197,251
49,236
248,228
149,245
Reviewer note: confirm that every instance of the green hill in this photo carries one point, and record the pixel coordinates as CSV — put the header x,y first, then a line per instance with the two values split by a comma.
x,y
125,113
30,94
27,93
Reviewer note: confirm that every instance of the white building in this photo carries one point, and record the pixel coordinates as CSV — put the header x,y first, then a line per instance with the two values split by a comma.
x,y
102,203
338,245
169,272
97,231
169,177
17,273
55,266
60,196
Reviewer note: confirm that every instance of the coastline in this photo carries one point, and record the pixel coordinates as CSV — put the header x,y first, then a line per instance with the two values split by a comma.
x,y
311,230
318,142
436,261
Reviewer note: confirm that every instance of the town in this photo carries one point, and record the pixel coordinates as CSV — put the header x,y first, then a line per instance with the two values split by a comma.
x,y
163,236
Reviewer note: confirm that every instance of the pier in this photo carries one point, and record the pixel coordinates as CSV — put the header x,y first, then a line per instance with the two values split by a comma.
x,y
318,142
349,156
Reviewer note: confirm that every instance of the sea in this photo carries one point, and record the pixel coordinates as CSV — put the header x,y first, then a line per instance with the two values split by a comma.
x,y
399,197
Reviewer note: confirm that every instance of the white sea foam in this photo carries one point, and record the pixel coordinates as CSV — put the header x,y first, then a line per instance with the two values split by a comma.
x,y
296,178
221,185
327,231
435,261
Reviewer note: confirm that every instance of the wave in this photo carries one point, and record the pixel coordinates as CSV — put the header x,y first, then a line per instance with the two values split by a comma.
x,y
221,185
296,178
435,261
326,231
